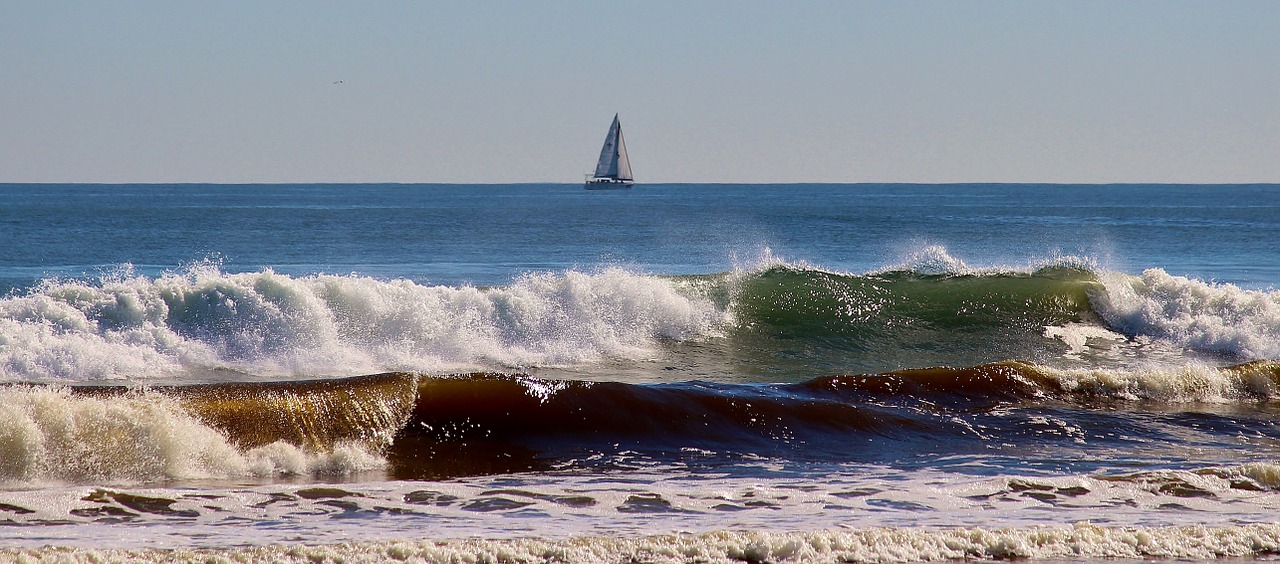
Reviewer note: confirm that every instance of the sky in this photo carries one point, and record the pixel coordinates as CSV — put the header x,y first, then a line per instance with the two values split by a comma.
x,y
708,91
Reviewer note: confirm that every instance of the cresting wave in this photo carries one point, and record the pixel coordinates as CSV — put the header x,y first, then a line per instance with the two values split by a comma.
x,y
1081,541
1192,313
931,310
411,427
272,325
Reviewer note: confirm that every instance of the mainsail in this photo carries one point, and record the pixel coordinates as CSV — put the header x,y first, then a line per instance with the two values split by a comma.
x,y
613,162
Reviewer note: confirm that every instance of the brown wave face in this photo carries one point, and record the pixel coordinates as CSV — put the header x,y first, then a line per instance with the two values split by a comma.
x,y
486,423
1011,380
482,423
1020,381
313,414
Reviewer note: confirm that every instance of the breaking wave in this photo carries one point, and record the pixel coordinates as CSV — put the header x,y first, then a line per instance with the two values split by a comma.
x,y
206,325
412,427
59,434
1192,313
273,325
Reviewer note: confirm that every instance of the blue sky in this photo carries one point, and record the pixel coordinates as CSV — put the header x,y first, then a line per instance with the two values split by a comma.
x,y
742,91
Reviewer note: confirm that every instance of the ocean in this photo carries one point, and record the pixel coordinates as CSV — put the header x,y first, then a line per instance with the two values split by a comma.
x,y
670,373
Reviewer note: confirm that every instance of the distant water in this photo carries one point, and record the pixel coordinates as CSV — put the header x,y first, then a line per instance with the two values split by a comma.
x,y
768,372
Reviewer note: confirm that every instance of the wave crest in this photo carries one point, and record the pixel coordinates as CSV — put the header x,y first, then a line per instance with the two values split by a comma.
x,y
269,324
1191,313
931,310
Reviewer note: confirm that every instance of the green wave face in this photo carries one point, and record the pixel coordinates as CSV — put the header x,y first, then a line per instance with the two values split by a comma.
x,y
844,323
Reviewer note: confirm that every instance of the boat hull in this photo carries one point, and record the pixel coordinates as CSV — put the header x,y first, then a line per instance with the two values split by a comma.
x,y
607,184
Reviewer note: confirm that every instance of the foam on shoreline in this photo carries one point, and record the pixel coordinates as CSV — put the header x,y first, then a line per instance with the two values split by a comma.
x,y
1082,541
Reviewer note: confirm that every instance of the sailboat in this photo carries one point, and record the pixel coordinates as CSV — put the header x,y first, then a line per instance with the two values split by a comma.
x,y
614,168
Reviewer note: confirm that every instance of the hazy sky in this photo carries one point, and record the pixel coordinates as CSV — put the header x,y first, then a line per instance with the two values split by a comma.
x,y
732,91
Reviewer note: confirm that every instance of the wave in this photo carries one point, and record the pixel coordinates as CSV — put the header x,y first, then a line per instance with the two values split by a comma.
x,y
1192,313
932,300
120,435
775,320
1082,541
1018,380
419,427
483,423
273,325
906,317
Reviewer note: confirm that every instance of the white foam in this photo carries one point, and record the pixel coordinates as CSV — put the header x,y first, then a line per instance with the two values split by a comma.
x,y
48,435
1078,335
1183,383
270,324
571,509
1081,541
1192,313
1266,474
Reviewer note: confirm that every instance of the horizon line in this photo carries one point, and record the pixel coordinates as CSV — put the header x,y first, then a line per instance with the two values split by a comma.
x,y
641,184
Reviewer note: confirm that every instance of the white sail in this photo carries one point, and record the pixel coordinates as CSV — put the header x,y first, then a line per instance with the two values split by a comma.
x,y
613,161
624,163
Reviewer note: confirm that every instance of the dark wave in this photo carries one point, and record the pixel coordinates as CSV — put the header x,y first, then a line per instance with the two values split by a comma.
x,y
484,423
433,427
522,423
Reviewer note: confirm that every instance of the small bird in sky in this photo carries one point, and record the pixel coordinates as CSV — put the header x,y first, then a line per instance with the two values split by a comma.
x,y
339,82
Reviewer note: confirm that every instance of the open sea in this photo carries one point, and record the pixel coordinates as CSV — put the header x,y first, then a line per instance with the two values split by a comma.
x,y
671,373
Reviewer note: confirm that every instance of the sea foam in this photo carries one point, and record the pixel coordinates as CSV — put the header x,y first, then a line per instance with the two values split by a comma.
x,y
1191,313
274,325
1192,382
1082,541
